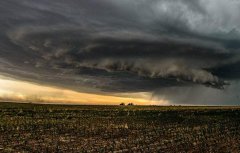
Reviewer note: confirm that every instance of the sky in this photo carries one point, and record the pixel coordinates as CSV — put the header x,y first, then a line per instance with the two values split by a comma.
x,y
12,90
156,51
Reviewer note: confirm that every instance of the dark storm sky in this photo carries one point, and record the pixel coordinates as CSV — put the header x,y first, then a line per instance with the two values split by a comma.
x,y
186,51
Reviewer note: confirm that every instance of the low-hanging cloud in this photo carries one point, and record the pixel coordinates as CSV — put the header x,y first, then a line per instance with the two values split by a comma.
x,y
122,46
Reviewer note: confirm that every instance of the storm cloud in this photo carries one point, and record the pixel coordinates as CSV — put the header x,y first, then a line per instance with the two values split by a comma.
x,y
112,46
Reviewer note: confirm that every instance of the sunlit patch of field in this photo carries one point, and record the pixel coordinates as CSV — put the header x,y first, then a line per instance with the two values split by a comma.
x,y
100,128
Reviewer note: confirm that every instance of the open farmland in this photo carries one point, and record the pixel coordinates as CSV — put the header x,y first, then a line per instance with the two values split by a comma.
x,y
65,128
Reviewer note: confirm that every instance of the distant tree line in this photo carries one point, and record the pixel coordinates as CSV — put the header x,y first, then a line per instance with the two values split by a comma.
x,y
129,104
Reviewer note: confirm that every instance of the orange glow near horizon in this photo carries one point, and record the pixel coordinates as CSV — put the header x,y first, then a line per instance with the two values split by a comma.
x,y
25,91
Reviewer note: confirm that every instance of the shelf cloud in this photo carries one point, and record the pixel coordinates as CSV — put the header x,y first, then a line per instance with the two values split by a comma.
x,y
113,46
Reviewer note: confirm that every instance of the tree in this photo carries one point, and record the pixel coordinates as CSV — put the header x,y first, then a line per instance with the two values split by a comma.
x,y
130,104
122,104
